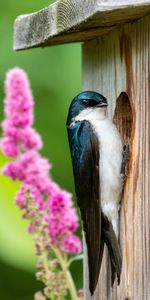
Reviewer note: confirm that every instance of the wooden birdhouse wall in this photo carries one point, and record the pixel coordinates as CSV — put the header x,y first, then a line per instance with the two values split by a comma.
x,y
117,64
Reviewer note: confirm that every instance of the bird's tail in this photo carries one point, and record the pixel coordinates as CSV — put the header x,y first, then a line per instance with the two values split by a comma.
x,y
110,239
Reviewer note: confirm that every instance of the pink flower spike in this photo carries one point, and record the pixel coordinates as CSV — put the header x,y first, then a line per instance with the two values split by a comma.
x,y
18,101
17,87
21,142
49,209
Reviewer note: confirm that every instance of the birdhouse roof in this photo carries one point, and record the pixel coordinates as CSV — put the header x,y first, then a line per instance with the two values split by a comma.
x,y
68,21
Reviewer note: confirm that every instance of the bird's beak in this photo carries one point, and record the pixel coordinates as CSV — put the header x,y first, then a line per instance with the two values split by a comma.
x,y
102,104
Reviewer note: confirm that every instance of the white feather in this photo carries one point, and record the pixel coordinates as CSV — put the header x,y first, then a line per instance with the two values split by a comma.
x,y
110,161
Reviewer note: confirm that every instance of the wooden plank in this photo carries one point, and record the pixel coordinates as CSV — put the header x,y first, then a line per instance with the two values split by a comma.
x,y
68,21
112,64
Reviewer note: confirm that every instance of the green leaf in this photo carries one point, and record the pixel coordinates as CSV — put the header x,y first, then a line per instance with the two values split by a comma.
x,y
75,258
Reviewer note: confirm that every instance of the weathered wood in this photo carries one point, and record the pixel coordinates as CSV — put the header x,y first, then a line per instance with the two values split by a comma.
x,y
112,64
75,20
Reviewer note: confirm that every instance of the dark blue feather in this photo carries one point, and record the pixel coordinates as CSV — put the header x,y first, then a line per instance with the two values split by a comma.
x,y
84,149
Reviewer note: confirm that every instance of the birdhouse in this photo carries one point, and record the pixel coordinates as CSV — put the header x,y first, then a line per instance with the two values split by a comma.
x,y
115,38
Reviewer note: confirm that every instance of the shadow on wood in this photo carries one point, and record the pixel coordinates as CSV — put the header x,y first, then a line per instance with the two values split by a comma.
x,y
123,117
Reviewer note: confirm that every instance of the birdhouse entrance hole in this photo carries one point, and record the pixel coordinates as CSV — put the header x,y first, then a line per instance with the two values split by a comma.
x,y
123,117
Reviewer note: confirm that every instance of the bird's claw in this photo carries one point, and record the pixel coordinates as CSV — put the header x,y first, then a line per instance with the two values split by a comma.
x,y
125,160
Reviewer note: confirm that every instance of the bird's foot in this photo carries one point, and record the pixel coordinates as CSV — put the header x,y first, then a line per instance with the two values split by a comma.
x,y
125,160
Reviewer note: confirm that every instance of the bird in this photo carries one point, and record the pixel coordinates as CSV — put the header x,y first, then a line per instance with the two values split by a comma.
x,y
96,153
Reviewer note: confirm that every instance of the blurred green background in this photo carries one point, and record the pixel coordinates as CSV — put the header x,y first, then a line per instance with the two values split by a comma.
x,y
55,76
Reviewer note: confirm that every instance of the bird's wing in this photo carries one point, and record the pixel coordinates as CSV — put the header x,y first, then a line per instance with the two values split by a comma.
x,y
85,157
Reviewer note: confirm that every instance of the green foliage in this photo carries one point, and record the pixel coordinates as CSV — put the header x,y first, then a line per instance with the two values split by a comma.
x,y
16,244
55,78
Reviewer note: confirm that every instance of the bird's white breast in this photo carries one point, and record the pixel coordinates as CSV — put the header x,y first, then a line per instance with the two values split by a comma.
x,y
110,161
109,168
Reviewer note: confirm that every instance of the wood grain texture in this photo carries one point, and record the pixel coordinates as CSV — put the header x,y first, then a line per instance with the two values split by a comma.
x,y
68,21
115,63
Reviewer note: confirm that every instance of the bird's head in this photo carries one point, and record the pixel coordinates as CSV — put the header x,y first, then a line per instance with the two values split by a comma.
x,y
87,105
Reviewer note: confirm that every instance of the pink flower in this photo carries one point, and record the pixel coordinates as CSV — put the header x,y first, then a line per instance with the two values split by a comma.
x,y
9,147
70,220
32,167
23,120
31,139
20,198
27,138
11,170
60,202
31,228
81,293
9,130
72,244
61,224
56,229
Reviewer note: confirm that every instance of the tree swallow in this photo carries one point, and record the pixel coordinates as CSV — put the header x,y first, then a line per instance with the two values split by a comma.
x,y
96,152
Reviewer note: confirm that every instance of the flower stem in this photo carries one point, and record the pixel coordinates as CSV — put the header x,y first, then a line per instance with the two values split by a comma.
x,y
64,266
72,288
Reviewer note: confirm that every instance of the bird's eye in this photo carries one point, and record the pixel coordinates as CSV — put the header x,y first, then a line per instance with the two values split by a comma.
x,y
89,102
85,101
